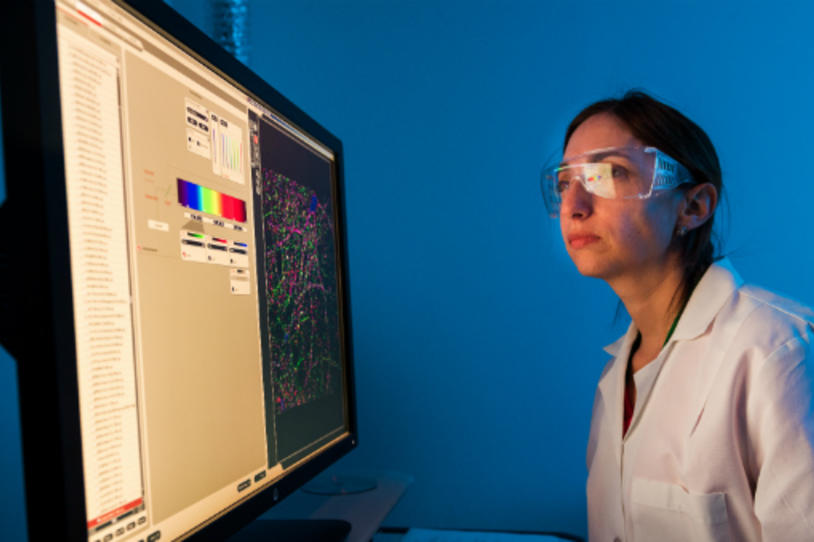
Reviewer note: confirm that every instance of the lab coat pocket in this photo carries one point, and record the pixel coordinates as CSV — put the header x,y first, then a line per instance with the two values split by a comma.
x,y
667,512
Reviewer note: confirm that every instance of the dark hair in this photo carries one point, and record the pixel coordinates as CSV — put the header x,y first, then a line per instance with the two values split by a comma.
x,y
659,125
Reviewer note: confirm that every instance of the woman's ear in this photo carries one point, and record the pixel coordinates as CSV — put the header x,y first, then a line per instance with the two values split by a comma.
x,y
698,206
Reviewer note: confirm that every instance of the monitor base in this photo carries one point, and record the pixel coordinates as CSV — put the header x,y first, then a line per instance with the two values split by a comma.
x,y
336,485
293,530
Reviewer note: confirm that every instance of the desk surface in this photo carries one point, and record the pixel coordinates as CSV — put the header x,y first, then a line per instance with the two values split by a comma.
x,y
443,535
365,511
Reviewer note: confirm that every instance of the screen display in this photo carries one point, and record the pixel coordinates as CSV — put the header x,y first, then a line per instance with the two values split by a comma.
x,y
206,280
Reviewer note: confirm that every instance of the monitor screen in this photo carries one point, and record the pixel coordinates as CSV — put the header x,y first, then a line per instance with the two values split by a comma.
x,y
205,248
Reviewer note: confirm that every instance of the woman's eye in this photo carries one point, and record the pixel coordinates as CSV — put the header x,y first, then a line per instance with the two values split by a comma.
x,y
619,172
562,186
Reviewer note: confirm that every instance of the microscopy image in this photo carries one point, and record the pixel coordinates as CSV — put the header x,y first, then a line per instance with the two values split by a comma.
x,y
301,291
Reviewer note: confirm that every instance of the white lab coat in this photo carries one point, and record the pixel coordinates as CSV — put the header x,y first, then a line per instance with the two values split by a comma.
x,y
723,446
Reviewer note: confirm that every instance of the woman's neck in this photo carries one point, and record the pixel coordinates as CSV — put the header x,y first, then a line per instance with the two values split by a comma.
x,y
650,298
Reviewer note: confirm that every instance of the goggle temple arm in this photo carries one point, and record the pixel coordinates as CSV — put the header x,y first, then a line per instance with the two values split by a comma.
x,y
667,172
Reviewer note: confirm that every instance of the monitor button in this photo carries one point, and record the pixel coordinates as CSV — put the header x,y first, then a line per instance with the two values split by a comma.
x,y
153,537
259,476
131,525
142,520
243,485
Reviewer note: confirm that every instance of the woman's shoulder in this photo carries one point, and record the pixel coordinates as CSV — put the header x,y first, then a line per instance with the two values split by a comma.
x,y
724,304
772,306
767,311
759,342
723,291
763,323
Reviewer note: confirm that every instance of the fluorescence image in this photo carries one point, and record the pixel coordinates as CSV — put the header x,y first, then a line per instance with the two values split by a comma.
x,y
301,289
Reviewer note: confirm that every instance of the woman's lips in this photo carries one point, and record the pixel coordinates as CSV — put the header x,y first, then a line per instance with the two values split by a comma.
x,y
579,240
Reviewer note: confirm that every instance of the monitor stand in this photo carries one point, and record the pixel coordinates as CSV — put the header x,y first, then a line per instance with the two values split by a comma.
x,y
293,530
365,510
336,485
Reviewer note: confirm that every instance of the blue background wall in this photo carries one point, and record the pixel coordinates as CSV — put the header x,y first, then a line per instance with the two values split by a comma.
x,y
478,345
12,505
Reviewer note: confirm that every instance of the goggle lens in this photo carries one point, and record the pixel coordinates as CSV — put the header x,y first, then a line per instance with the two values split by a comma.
x,y
613,173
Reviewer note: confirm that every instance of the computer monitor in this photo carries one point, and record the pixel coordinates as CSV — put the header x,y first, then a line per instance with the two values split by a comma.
x,y
177,294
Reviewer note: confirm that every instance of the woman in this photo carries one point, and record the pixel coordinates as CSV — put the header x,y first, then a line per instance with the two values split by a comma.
x,y
703,422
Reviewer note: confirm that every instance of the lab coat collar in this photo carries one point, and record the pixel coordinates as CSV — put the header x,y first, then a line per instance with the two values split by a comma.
x,y
713,290
717,285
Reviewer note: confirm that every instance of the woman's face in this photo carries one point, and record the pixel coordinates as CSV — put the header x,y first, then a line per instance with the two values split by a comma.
x,y
614,238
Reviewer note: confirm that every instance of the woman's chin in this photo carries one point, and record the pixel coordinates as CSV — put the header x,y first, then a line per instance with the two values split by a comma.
x,y
590,267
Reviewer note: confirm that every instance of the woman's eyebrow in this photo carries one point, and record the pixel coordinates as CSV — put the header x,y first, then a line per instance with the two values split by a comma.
x,y
597,156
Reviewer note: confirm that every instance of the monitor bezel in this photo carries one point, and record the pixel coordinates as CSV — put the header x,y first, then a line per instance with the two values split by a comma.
x,y
39,333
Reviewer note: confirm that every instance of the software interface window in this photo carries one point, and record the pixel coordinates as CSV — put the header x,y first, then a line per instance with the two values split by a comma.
x,y
206,292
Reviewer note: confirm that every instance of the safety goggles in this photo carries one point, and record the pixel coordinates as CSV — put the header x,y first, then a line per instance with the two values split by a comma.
x,y
613,173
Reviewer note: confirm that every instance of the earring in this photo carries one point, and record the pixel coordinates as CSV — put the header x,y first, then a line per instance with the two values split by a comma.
x,y
682,231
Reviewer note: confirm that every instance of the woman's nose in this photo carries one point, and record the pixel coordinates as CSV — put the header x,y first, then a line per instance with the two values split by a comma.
x,y
576,202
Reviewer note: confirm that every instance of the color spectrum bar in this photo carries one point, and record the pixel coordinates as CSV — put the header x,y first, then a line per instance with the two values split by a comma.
x,y
200,198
